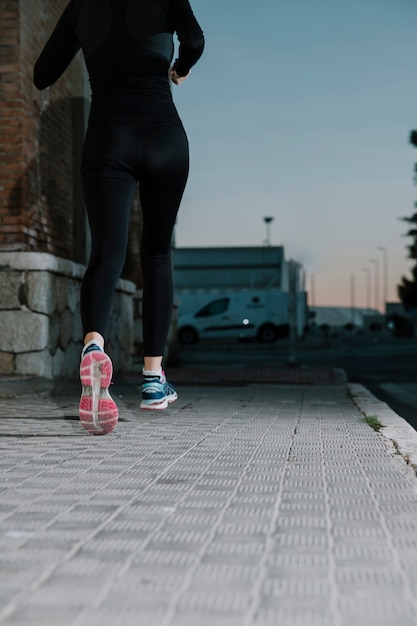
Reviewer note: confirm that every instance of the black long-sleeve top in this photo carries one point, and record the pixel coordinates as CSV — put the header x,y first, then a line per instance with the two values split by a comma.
x,y
127,44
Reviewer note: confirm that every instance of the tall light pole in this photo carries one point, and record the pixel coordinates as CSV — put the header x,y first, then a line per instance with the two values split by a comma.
x,y
313,289
352,298
268,221
368,288
385,272
292,313
376,290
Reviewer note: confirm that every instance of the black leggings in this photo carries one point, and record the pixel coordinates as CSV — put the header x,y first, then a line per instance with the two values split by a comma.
x,y
115,158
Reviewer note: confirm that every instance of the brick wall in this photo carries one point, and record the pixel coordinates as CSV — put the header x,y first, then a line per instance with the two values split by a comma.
x,y
42,219
40,202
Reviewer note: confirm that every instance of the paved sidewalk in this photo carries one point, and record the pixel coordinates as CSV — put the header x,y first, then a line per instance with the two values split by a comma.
x,y
259,505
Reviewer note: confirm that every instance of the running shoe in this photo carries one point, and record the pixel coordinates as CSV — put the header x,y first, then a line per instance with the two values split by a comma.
x,y
157,392
98,410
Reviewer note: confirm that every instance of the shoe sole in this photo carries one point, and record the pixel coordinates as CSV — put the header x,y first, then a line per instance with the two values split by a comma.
x,y
98,411
152,405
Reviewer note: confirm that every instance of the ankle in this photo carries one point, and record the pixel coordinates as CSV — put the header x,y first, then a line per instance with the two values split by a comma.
x,y
96,337
152,363
153,373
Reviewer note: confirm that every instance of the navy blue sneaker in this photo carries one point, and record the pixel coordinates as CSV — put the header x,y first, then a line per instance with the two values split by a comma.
x,y
157,392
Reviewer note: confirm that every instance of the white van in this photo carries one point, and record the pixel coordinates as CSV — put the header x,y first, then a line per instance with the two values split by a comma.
x,y
262,315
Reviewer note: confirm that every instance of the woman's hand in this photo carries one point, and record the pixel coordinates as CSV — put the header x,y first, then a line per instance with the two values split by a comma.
x,y
177,80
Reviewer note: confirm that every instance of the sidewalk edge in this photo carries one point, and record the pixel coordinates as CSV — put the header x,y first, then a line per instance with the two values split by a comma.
x,y
395,428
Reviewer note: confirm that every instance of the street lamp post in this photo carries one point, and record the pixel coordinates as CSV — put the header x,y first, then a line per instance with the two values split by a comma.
x,y
292,314
313,289
268,221
376,290
352,298
385,273
368,288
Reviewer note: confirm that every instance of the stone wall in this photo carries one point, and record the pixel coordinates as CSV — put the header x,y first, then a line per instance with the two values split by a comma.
x,y
40,326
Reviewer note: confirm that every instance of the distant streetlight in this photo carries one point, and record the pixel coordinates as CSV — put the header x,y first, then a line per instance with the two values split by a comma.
x,y
313,289
368,288
292,313
376,290
268,221
352,298
385,272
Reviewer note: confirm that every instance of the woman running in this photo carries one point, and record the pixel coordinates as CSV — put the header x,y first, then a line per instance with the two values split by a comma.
x,y
134,135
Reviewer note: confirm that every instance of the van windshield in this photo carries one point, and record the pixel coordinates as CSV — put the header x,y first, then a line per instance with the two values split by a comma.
x,y
216,307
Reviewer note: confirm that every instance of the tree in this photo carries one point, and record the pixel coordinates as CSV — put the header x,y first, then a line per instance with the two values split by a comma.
x,y
407,289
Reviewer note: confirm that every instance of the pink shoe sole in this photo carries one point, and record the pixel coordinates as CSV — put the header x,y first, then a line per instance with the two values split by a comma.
x,y
98,411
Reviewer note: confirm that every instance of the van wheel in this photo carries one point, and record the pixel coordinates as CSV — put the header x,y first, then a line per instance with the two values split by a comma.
x,y
267,333
188,335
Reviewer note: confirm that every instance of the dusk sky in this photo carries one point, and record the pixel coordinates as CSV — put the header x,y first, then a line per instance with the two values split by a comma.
x,y
302,110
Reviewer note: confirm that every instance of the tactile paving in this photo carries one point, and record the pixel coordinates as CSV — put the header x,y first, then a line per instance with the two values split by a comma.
x,y
251,506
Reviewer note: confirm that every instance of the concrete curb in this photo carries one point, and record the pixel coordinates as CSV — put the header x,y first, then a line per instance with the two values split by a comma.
x,y
395,428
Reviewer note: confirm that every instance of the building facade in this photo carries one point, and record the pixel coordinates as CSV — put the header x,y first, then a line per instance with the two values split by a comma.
x,y
235,268
205,270
43,234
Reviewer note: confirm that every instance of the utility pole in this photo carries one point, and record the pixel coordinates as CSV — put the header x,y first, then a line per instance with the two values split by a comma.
x,y
352,299
385,274
376,292
313,289
368,289
292,314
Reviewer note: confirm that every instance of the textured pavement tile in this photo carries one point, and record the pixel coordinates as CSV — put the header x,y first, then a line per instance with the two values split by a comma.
x,y
295,617
377,607
40,616
166,558
257,506
366,578
294,589
216,602
129,617
191,618
304,563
